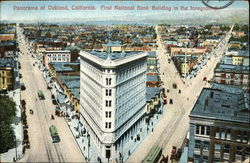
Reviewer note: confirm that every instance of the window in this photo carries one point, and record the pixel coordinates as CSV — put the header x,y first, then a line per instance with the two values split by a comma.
x,y
197,144
247,152
228,134
197,129
202,130
108,103
196,158
226,148
108,81
222,133
208,130
106,124
109,124
108,92
205,159
244,137
108,114
238,138
217,147
205,145
239,150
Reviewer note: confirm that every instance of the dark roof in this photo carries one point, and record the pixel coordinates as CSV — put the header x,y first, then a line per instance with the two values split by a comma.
x,y
64,66
222,103
152,92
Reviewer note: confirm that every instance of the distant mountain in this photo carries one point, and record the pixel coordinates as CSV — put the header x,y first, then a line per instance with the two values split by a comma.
x,y
223,16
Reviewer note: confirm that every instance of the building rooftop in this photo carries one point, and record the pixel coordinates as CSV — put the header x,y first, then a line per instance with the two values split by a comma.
x,y
152,78
223,102
73,84
64,66
7,63
232,68
151,92
113,56
114,43
152,54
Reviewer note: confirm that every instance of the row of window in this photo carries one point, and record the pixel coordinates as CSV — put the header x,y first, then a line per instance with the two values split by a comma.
x,y
91,71
202,130
225,148
130,72
58,55
59,59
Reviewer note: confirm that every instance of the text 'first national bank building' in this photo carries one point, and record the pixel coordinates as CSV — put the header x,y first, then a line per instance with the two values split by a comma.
x,y
113,96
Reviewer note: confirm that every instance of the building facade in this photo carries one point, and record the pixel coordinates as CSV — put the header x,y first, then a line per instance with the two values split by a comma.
x,y
56,56
112,97
231,72
7,77
219,126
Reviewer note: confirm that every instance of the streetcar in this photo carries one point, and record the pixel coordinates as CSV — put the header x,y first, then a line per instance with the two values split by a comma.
x,y
40,95
54,134
154,155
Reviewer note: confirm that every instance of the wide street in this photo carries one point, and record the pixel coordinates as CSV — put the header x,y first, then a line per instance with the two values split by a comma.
x,y
173,126
41,147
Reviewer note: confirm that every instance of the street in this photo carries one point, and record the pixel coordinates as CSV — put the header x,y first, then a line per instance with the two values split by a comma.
x,y
173,126
41,147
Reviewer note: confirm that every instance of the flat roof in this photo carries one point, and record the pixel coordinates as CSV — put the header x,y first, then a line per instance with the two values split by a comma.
x,y
232,68
112,59
152,78
73,84
152,91
64,66
114,43
152,54
223,102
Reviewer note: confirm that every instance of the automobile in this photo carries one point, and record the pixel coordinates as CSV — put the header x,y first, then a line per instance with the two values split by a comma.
x,y
205,78
170,101
179,91
165,101
22,86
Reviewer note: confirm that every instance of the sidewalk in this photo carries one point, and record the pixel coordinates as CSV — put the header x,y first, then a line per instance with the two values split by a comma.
x,y
16,152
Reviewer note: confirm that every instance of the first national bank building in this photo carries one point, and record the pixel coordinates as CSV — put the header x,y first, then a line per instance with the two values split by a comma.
x,y
113,97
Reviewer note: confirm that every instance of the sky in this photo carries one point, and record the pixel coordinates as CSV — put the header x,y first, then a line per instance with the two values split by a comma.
x,y
8,13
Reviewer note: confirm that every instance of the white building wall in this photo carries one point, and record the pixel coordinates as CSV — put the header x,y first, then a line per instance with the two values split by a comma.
x,y
106,113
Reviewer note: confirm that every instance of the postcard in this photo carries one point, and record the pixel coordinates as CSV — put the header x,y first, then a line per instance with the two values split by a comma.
x,y
124,81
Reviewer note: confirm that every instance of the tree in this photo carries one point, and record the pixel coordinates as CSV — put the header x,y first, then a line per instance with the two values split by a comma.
x,y
48,35
7,114
7,109
7,137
